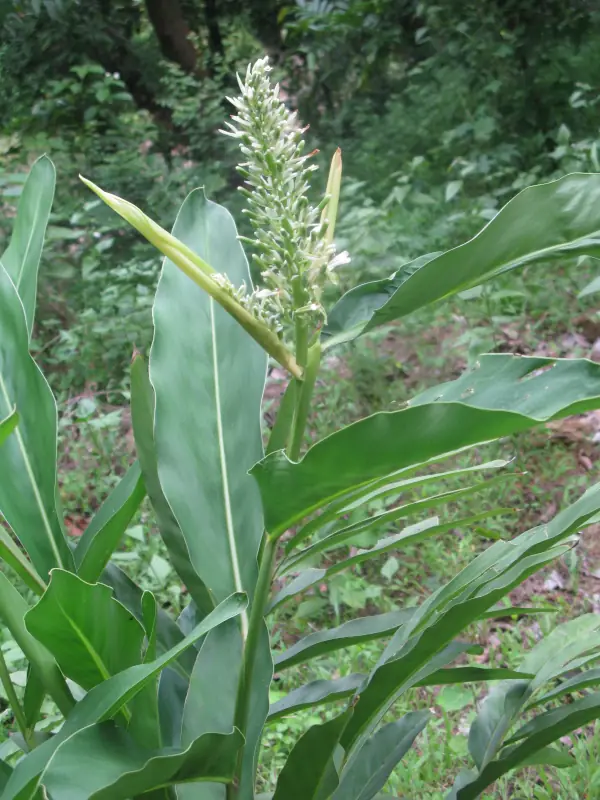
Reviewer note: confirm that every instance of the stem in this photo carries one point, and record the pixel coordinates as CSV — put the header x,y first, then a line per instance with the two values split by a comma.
x,y
305,393
13,700
301,393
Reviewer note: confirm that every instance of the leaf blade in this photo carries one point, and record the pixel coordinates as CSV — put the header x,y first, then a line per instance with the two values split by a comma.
x,y
22,257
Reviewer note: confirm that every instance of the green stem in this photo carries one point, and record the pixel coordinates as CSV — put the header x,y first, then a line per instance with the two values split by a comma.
x,y
305,393
13,700
301,393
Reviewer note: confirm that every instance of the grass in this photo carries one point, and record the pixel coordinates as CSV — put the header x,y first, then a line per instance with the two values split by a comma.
x,y
529,314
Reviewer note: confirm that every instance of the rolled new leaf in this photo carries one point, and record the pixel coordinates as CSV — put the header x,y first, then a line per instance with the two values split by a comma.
x,y
201,273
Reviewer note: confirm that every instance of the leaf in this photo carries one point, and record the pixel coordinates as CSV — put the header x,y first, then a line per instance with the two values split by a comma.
x,y
102,762
13,609
578,683
553,220
319,692
415,651
536,736
5,773
201,363
12,555
218,664
341,535
369,770
168,634
262,676
409,535
593,287
28,457
355,631
316,693
106,699
89,633
142,417
369,449
21,260
317,748
102,536
185,256
495,717
377,490
8,425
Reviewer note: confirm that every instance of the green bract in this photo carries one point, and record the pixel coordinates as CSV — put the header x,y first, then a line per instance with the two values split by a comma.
x,y
153,707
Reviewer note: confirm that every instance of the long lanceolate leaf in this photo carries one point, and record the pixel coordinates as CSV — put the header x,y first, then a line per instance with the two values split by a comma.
x,y
142,418
208,376
102,536
22,258
436,623
387,442
120,769
28,457
106,699
553,220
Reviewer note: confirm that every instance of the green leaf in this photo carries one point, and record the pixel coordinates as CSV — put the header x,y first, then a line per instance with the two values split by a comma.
x,y
536,736
33,697
593,287
378,490
346,533
262,675
201,364
355,631
553,220
319,692
411,535
168,633
316,693
368,771
142,417
369,449
494,719
8,425
21,260
310,772
19,563
503,612
89,633
415,650
144,724
28,457
540,388
102,536
106,699
103,762
578,683
13,609
5,773
218,664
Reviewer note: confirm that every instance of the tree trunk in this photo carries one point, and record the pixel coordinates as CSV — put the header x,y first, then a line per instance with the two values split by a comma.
x,y
172,32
